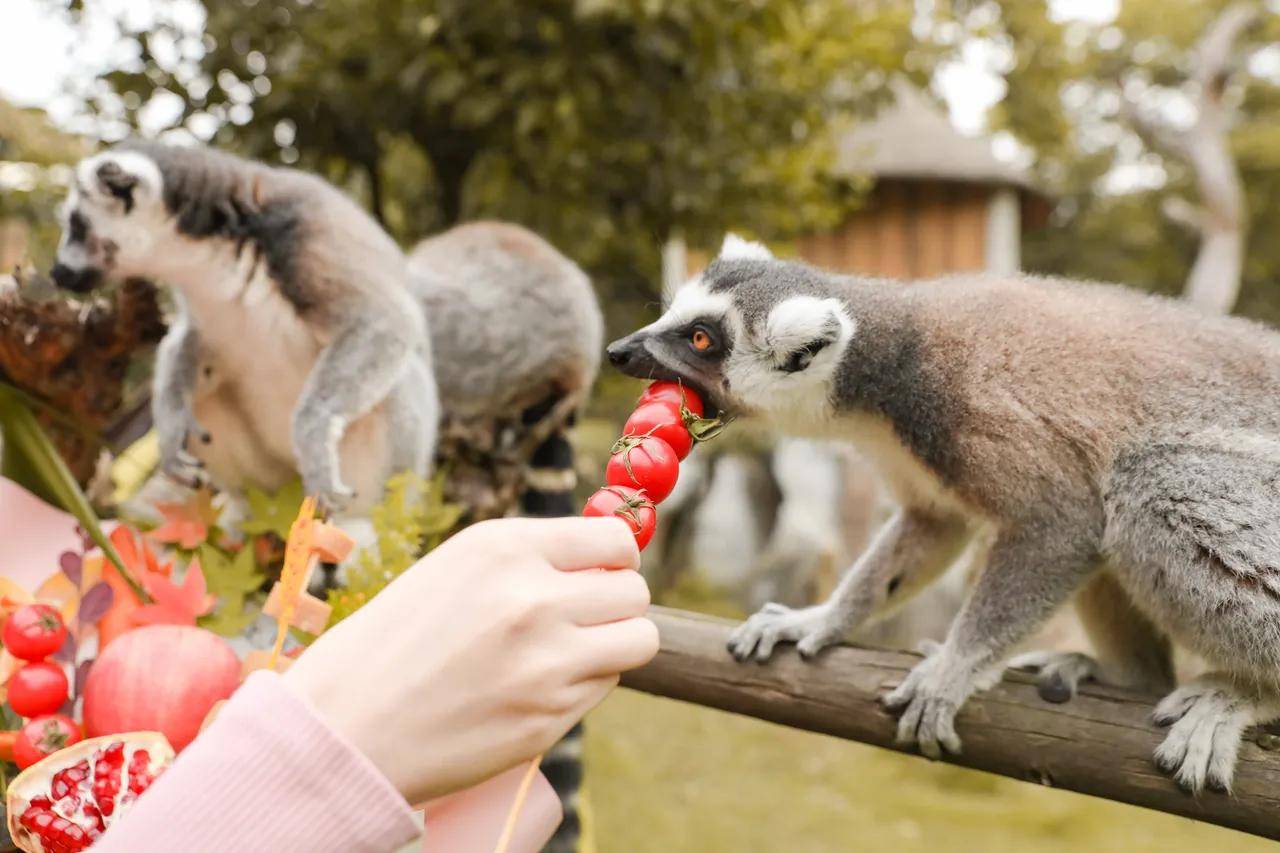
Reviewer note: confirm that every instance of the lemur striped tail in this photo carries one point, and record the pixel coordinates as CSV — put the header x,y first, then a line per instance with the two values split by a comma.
x,y
548,493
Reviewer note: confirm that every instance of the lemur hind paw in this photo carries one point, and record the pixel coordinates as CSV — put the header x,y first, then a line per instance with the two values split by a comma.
x,y
812,629
1207,718
1060,673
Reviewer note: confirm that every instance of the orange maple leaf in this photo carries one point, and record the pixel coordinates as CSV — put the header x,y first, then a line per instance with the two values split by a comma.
x,y
175,605
134,553
187,524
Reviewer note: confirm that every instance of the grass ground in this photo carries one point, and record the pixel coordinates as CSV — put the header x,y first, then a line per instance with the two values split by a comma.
x,y
667,777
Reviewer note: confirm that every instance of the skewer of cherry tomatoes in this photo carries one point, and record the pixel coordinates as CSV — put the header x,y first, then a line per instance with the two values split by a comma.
x,y
644,463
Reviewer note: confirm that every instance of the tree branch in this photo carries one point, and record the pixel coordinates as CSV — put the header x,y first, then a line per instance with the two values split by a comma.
x,y
1213,54
1099,743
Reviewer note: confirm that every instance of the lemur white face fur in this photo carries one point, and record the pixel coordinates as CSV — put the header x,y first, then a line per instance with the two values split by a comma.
x,y
749,344
112,219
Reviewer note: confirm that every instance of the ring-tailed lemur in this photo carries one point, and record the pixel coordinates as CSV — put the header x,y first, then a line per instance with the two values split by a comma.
x,y
298,346
517,334
517,330
1119,446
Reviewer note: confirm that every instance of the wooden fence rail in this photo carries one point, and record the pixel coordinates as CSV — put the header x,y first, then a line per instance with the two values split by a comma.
x,y
1099,743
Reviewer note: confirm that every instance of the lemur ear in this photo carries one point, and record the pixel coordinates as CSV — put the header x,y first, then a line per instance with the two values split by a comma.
x,y
736,248
801,329
115,181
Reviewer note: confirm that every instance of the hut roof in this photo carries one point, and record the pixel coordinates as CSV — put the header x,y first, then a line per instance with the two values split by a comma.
x,y
914,138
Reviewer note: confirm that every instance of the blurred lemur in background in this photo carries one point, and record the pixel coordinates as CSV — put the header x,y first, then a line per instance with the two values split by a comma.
x,y
303,337
306,343
1116,447
297,347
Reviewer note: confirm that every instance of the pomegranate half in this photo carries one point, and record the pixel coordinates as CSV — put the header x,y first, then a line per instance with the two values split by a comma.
x,y
62,803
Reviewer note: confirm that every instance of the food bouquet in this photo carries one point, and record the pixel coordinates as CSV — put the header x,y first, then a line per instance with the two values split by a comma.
x,y
120,639
113,663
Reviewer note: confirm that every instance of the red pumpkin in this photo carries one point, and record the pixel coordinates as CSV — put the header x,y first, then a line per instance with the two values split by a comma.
x,y
161,678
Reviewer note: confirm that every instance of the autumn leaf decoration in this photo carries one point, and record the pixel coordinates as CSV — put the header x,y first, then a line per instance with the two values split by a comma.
x,y
174,604
187,525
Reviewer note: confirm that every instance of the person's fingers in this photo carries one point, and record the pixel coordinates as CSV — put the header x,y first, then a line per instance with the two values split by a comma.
x,y
570,544
616,647
593,597
587,695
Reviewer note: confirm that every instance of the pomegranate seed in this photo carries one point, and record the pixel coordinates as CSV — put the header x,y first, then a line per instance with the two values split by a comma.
x,y
107,777
139,776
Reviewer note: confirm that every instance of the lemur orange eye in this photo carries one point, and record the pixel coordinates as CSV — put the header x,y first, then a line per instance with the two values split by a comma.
x,y
700,340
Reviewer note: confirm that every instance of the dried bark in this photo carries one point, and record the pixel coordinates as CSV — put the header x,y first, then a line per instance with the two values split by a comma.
x,y
73,356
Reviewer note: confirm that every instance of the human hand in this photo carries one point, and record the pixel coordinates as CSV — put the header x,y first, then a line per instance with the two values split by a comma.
x,y
484,653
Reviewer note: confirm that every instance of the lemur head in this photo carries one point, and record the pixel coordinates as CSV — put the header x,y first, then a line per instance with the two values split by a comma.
x,y
753,335
111,219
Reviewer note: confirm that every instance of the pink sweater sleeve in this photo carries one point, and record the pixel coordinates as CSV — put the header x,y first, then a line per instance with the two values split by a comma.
x,y
268,774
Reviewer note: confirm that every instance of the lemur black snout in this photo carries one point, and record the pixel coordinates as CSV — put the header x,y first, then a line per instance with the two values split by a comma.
x,y
77,281
620,352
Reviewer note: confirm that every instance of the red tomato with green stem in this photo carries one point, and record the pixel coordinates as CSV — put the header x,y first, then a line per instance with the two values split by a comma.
x,y
44,736
36,689
662,420
34,632
626,503
673,392
643,462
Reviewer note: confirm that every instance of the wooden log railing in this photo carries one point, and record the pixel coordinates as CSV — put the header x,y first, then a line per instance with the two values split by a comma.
x,y
1099,743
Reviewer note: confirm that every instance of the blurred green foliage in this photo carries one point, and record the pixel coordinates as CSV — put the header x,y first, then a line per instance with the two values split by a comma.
x,y
1065,83
33,157
605,125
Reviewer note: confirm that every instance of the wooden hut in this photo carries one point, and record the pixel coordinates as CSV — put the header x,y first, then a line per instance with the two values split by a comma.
x,y
942,201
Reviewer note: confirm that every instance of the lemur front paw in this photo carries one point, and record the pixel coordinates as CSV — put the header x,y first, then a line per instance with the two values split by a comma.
x,y
332,495
812,629
1207,718
173,431
929,697
1060,673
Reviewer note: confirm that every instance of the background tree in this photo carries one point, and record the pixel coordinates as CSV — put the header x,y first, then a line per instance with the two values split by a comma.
x,y
1109,111
606,125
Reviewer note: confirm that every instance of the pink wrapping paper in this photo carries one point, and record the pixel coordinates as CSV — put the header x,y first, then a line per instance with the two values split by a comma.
x,y
470,821
32,536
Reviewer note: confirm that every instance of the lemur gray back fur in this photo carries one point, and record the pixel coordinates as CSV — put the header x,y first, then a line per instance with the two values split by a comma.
x,y
322,249
513,320
1118,447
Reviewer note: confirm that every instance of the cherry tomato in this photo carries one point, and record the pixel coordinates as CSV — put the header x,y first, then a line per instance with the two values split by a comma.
x,y
34,632
628,504
44,736
643,462
37,689
673,392
661,419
